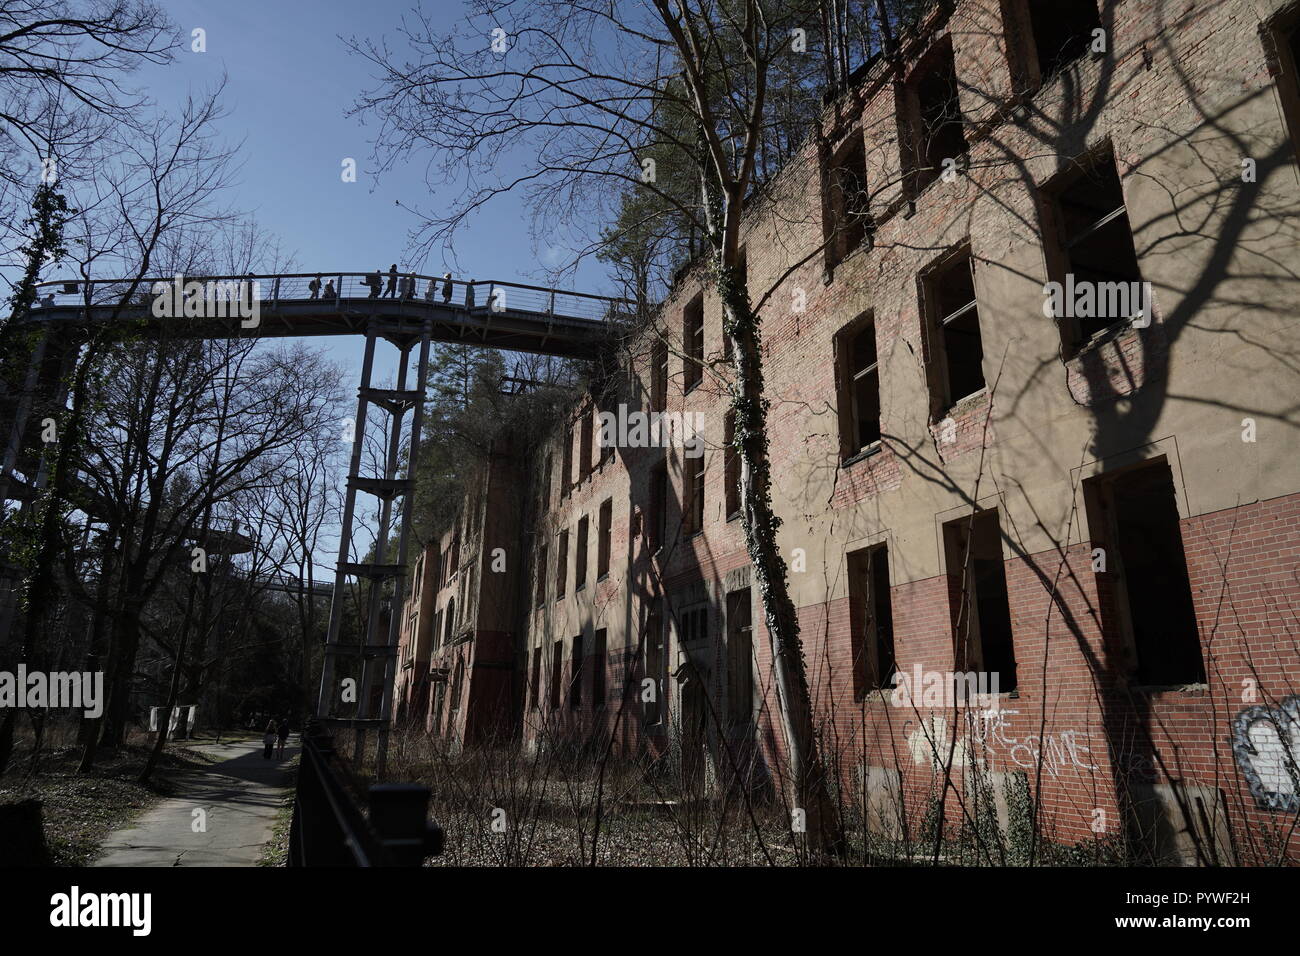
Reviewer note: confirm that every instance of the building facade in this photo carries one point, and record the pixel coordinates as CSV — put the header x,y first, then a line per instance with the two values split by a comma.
x,y
1029,337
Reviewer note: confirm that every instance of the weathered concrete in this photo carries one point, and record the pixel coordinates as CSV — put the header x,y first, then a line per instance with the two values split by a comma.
x,y
239,797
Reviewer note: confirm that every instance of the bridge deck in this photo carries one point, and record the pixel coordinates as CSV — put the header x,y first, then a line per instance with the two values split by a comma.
x,y
488,313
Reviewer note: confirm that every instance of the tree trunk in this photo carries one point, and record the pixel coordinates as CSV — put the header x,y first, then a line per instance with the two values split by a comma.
x,y
761,524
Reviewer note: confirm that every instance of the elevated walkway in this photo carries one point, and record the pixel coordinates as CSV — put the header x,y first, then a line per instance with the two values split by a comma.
x,y
501,315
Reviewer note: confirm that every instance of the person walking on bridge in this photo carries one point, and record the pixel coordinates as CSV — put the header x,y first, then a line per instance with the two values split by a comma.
x,y
376,284
391,291
329,290
446,287
314,287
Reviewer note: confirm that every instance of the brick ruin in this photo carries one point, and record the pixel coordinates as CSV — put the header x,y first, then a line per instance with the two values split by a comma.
x,y
1101,511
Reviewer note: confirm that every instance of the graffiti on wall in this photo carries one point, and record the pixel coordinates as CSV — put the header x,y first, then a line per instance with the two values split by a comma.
x,y
988,732
1266,744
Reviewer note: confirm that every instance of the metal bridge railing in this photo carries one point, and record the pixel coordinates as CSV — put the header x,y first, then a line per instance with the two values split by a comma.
x,y
330,829
342,290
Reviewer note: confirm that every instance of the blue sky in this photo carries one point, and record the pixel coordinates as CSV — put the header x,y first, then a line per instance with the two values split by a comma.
x,y
289,84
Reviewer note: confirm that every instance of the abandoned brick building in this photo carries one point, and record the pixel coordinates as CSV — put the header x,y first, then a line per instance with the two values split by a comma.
x,y
976,471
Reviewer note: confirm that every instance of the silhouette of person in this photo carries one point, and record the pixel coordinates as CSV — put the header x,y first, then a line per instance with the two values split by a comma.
x,y
376,284
469,294
329,290
314,287
391,291
428,292
446,287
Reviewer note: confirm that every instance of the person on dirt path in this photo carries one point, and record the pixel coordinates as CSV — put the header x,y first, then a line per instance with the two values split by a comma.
x,y
268,740
282,736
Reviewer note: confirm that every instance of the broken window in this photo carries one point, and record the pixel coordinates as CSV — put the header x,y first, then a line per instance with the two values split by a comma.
x,y
657,517
541,576
598,670
659,376
871,620
937,122
580,570
457,685
693,624
693,494
847,202
1096,250
451,622
562,565
654,665
557,669
981,608
575,674
566,469
957,357
1062,32
546,484
693,343
859,400
606,533
1137,530
535,679
584,446
740,653
731,464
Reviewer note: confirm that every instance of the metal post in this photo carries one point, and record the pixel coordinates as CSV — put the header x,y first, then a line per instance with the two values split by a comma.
x,y
381,551
403,540
345,534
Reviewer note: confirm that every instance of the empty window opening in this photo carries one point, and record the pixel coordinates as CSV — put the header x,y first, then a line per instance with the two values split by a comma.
x,y
535,678
981,609
598,664
693,343
658,506
859,399
731,464
580,571
562,565
584,447
1062,32
693,497
546,483
541,576
740,653
938,124
871,619
575,674
1139,534
659,376
606,534
957,362
451,622
848,200
1097,247
654,666
557,668
566,468
693,624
